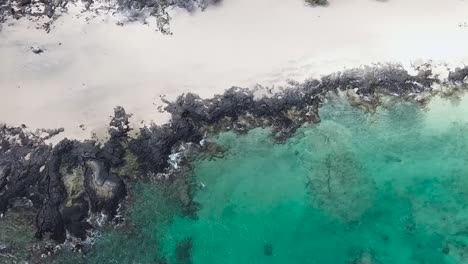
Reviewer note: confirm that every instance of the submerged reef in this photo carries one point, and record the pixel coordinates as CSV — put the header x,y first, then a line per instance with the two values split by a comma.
x,y
74,187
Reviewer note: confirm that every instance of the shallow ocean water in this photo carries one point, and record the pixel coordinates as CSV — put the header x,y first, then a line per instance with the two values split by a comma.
x,y
356,188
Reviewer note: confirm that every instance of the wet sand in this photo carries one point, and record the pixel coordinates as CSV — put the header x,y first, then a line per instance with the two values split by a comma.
x,y
99,65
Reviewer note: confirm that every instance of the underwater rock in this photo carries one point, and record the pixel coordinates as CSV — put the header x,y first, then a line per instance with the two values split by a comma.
x,y
337,181
364,103
340,186
446,250
268,249
183,251
390,158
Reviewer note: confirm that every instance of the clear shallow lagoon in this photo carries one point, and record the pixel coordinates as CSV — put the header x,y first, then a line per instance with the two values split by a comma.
x,y
357,188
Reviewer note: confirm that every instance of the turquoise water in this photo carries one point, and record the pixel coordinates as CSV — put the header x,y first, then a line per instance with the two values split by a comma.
x,y
357,188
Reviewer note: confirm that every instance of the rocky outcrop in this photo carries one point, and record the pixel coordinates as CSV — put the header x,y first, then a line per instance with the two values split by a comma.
x,y
458,75
22,159
104,188
49,177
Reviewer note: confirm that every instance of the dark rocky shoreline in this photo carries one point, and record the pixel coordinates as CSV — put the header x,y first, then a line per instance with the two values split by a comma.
x,y
65,184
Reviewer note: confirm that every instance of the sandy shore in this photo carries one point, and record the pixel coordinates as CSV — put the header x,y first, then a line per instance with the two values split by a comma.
x,y
88,68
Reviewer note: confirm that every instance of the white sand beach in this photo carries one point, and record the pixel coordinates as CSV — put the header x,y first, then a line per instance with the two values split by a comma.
x,y
90,67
